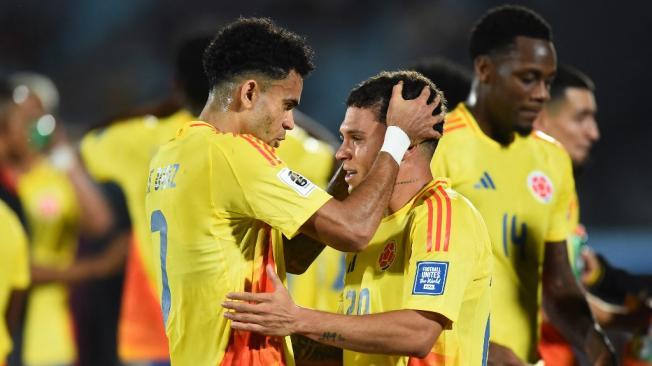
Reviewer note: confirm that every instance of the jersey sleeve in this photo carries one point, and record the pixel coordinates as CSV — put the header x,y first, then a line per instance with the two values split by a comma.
x,y
442,259
19,276
271,191
97,148
561,221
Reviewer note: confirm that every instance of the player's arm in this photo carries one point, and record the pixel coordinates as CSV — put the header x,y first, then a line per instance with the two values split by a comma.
x,y
348,225
302,250
403,332
95,214
568,309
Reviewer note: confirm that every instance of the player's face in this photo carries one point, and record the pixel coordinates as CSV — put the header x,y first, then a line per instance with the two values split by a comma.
x,y
519,83
362,136
19,121
273,109
573,123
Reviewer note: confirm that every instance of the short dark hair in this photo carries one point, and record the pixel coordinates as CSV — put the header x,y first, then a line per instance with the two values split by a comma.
x,y
375,93
569,77
454,80
189,72
6,99
256,45
497,29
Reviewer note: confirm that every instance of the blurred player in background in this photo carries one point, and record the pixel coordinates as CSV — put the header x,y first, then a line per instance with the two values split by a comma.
x,y
570,117
522,183
60,204
120,153
453,79
14,255
220,200
424,279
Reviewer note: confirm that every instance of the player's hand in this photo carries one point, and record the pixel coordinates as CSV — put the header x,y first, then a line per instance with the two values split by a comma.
x,y
414,116
502,356
272,314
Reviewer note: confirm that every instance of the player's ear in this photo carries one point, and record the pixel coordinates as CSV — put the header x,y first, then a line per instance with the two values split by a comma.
x,y
483,66
249,92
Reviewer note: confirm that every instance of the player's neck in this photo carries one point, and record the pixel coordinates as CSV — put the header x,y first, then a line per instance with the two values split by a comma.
x,y
479,107
411,178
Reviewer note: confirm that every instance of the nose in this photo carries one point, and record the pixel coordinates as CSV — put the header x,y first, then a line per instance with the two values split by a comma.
x,y
343,153
288,121
592,130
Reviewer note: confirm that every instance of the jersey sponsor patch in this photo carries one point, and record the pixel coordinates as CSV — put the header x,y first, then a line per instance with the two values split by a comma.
x,y
387,256
296,181
430,278
540,186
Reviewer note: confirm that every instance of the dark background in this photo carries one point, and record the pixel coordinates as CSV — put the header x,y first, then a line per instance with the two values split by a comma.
x,y
108,57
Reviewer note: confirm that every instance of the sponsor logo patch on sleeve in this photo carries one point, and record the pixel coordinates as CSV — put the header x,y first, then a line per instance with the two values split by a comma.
x,y
430,278
296,181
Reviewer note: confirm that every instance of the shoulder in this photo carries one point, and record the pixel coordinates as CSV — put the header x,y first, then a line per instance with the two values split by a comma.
x,y
245,148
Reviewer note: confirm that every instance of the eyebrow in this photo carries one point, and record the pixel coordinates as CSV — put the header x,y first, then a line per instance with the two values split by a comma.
x,y
291,102
353,131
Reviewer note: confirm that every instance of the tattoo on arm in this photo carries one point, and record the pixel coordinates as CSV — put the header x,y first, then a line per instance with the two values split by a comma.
x,y
305,349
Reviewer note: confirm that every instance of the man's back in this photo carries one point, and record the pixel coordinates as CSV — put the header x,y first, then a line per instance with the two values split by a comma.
x,y
120,153
432,255
218,204
523,192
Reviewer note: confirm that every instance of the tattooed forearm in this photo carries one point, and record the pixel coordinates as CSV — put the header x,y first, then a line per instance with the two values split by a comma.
x,y
306,349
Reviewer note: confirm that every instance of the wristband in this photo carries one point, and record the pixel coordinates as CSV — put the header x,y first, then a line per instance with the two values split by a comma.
x,y
396,143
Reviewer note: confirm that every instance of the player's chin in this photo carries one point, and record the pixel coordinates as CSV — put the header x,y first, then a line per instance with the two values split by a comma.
x,y
524,127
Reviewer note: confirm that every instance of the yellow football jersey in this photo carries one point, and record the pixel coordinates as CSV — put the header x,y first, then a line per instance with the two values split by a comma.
x,y
52,212
14,268
523,192
121,153
320,286
218,205
434,254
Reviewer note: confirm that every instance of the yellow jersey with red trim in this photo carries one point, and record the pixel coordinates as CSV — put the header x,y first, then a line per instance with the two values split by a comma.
x,y
218,205
434,254
14,268
523,192
52,213
320,286
121,153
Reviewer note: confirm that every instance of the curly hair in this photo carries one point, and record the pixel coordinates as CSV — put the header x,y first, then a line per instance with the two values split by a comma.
x,y
256,45
375,93
497,29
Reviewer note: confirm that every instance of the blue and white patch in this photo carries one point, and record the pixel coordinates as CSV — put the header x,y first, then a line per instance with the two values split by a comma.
x,y
430,278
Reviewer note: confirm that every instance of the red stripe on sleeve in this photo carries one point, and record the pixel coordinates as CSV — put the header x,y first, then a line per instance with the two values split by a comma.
x,y
439,212
260,150
429,232
448,217
448,129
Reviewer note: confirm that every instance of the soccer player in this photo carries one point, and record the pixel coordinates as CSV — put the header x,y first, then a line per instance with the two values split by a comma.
x,y
220,201
60,204
120,153
453,79
420,292
14,257
522,184
14,269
